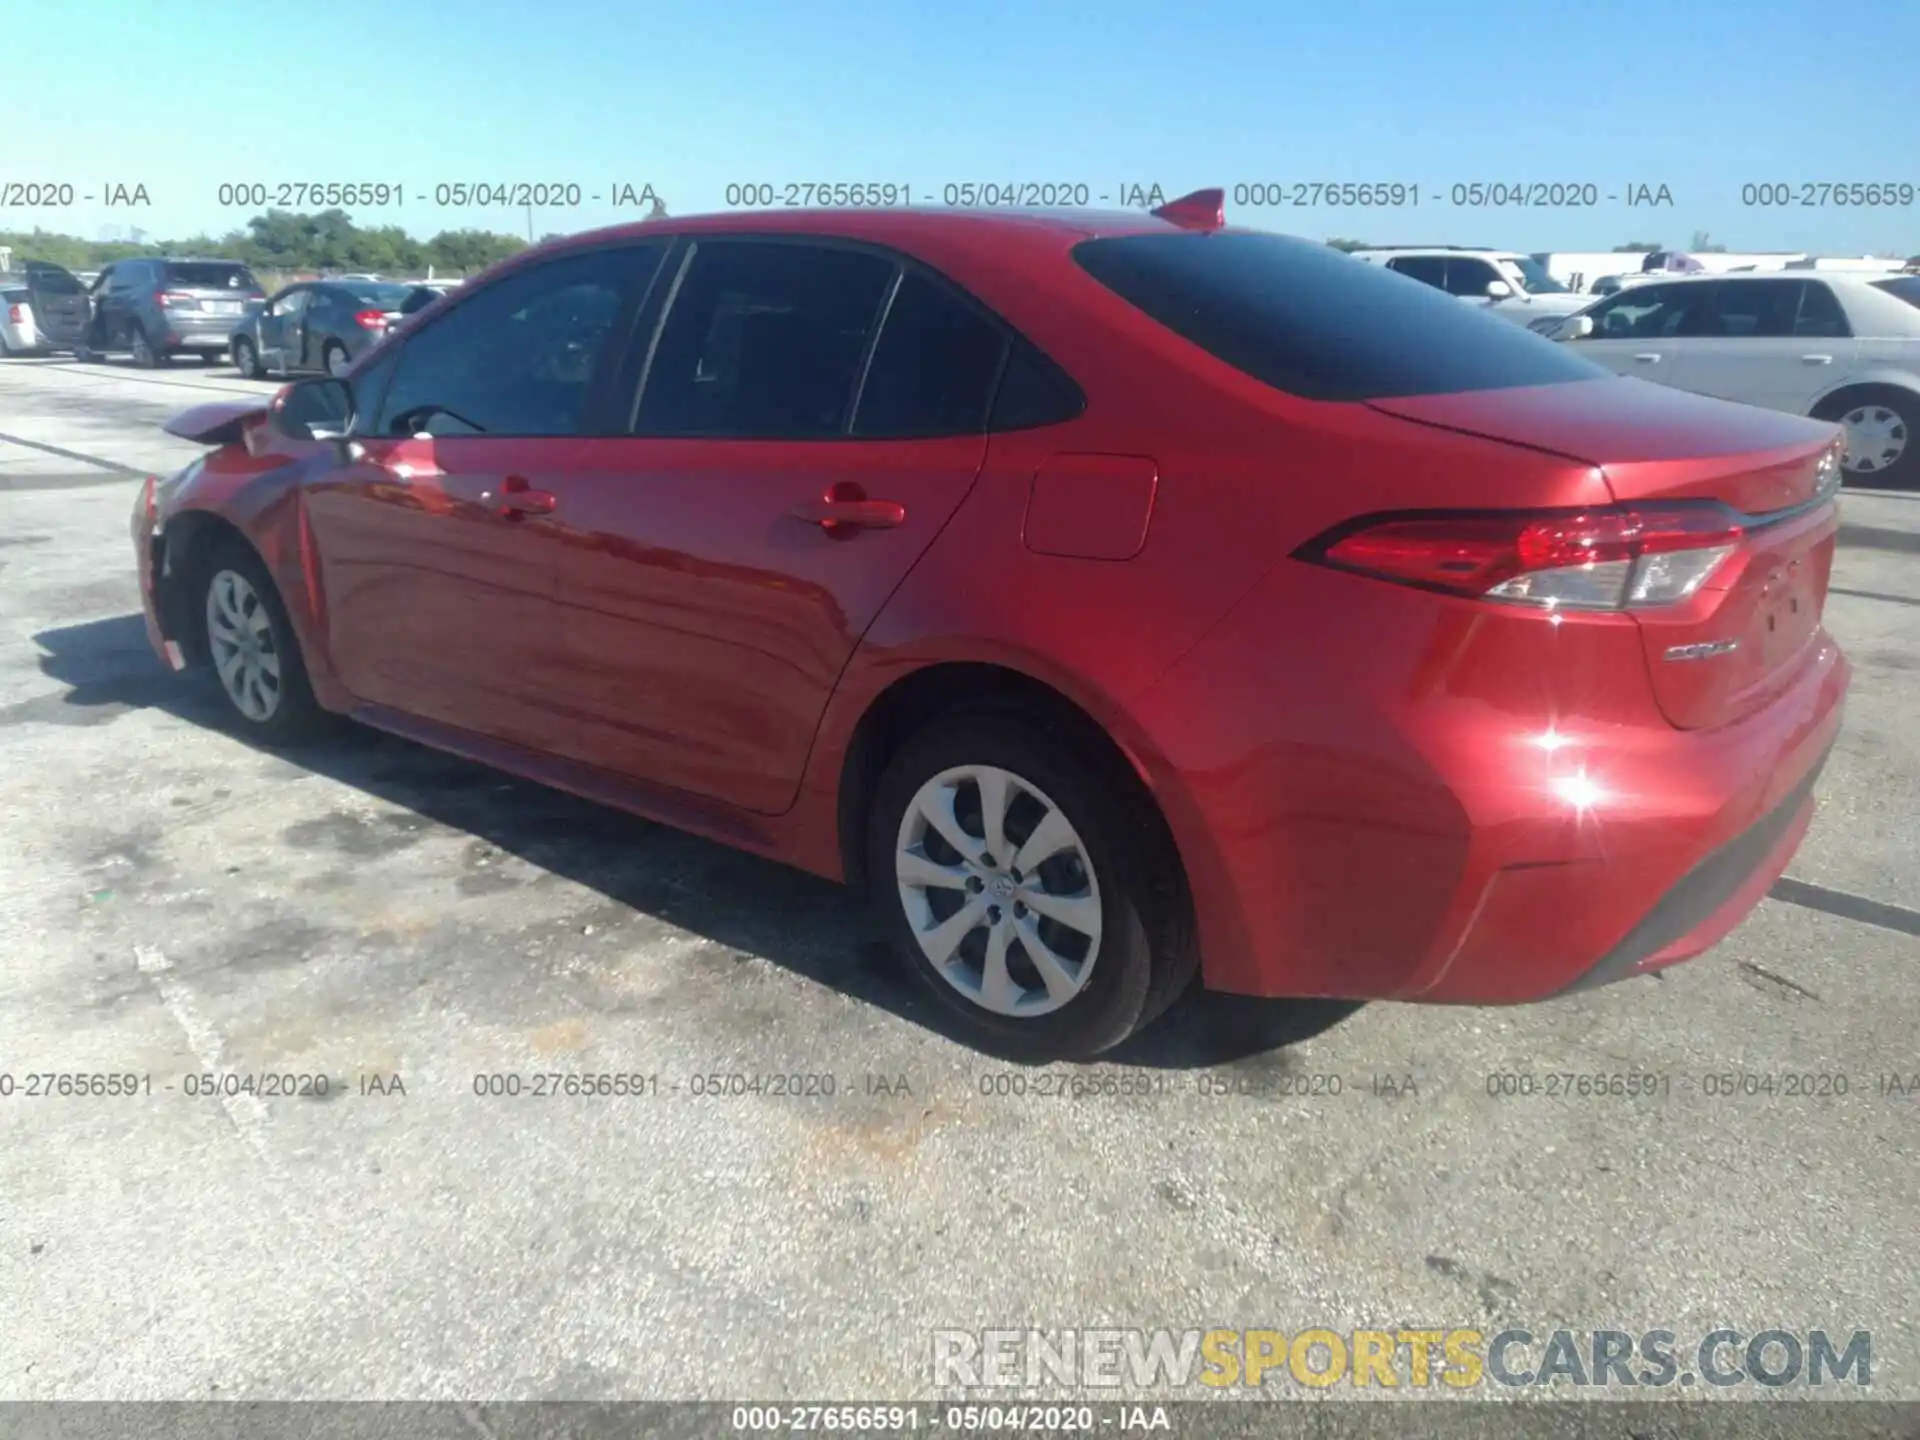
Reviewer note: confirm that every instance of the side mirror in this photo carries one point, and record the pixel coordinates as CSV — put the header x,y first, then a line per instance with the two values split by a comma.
x,y
1575,327
1499,290
316,409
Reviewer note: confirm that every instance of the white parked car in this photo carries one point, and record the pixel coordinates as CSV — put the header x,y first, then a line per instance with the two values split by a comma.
x,y
1514,286
1836,347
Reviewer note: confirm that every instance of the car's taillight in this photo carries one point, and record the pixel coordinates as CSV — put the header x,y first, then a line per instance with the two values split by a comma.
x,y
370,319
148,503
1629,557
172,297
16,314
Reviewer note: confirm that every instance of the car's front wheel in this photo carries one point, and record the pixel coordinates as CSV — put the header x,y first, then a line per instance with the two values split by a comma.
x,y
247,360
253,651
1025,888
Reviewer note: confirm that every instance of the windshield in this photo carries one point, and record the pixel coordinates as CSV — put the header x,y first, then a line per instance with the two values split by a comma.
x,y
1904,287
1308,320
377,294
210,275
1534,278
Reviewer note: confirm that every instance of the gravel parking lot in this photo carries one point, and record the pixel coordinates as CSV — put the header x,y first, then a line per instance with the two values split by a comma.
x,y
400,922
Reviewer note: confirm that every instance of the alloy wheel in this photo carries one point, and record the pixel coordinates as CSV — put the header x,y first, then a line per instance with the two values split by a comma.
x,y
999,890
245,654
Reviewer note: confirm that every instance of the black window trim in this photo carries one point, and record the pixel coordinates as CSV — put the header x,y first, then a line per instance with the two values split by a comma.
x,y
597,415
688,246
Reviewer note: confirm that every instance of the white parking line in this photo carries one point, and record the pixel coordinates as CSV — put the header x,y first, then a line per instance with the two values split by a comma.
x,y
248,1114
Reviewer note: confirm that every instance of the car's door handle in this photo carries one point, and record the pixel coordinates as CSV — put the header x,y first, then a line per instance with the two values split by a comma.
x,y
516,497
1816,359
1648,359
846,509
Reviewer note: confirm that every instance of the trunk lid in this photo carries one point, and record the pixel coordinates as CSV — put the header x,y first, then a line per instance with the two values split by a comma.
x,y
1726,651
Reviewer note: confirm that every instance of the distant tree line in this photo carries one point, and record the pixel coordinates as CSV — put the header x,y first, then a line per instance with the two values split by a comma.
x,y
282,240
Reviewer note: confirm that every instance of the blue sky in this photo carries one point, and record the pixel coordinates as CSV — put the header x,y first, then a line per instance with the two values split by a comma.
x,y
1702,98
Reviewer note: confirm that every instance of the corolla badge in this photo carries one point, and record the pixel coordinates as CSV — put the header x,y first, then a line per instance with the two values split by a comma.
x,y
1704,651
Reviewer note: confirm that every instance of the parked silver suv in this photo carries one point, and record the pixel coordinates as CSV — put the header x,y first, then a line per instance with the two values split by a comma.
x,y
156,309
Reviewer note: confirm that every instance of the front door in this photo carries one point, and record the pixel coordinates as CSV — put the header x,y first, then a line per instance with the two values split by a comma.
x,y
280,327
1640,331
439,546
793,455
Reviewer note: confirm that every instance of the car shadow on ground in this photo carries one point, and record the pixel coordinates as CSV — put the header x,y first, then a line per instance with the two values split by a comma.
x,y
803,924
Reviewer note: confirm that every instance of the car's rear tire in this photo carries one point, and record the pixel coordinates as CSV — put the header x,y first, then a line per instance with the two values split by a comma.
x,y
252,650
146,355
247,360
1057,958
1881,424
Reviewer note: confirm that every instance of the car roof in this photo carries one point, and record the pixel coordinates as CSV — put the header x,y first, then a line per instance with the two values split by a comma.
x,y
1485,251
899,225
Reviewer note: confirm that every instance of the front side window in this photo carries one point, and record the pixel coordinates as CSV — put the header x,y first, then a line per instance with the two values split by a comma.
x,y
1470,278
291,302
934,366
1651,312
1533,279
763,340
520,356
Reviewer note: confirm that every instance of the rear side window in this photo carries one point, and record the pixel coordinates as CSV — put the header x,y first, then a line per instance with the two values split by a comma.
x,y
1308,320
1755,310
1820,313
1034,392
764,340
209,275
934,367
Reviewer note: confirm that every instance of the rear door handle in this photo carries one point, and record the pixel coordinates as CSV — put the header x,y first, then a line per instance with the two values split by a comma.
x,y
1817,359
846,509
517,497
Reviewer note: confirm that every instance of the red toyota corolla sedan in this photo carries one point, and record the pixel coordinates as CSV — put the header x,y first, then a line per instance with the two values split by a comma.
x,y
1114,596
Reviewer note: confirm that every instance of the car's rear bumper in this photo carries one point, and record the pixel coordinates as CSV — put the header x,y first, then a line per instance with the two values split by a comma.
x,y
1403,799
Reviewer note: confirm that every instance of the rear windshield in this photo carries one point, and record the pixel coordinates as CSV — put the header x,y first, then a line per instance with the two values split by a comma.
x,y
209,275
14,297
375,293
1308,320
1906,287
54,281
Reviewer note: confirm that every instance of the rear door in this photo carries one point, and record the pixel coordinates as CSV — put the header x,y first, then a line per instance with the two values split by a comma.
x,y
1775,343
280,327
1642,330
61,309
809,415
